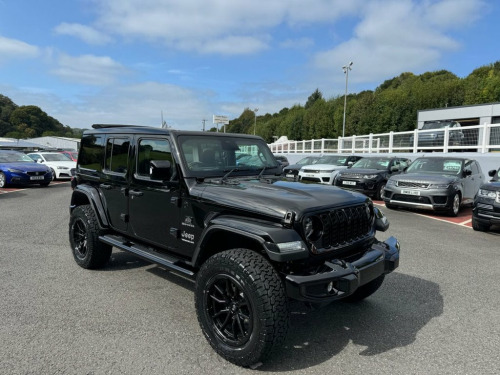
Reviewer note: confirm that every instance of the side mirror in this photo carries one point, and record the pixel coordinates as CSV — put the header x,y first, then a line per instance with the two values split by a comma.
x,y
467,172
394,168
160,170
39,160
492,173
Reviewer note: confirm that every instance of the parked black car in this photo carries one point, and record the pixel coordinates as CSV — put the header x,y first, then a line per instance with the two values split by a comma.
x,y
369,175
250,240
435,183
486,207
292,170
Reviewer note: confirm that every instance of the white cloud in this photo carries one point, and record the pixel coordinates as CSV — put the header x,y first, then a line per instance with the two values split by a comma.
x,y
395,36
16,49
86,33
88,69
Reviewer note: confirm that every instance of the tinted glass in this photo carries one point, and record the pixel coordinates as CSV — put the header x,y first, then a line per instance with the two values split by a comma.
x,y
152,149
91,152
117,155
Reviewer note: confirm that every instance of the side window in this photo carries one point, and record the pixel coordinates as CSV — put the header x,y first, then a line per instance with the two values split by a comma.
x,y
91,152
474,168
403,163
117,155
152,149
35,157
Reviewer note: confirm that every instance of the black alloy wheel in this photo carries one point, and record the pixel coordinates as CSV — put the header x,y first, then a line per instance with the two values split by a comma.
x,y
230,309
241,306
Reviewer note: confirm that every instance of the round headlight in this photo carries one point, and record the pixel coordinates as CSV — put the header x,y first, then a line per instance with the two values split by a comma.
x,y
313,228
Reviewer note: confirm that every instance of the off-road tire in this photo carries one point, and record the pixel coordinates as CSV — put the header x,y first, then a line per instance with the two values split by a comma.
x,y
366,290
480,227
241,289
84,233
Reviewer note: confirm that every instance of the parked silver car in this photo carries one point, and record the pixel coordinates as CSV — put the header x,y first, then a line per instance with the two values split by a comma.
x,y
435,183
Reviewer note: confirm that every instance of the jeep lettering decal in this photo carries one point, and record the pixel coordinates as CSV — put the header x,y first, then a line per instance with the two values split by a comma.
x,y
187,237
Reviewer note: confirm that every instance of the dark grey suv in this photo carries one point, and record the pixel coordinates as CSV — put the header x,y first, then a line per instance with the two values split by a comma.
x,y
435,183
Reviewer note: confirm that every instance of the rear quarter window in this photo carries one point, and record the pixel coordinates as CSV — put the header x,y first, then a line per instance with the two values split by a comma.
x,y
91,152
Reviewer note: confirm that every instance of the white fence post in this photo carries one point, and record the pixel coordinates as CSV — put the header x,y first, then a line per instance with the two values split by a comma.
x,y
486,137
391,140
446,138
415,141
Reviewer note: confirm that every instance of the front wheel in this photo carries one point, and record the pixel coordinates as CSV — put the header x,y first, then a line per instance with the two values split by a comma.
x,y
241,306
379,194
84,233
53,174
3,180
455,205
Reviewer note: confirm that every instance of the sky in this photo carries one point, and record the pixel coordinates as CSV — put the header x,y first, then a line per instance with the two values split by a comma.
x,y
138,61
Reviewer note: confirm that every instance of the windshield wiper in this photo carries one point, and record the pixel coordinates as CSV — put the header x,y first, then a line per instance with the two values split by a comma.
x,y
263,170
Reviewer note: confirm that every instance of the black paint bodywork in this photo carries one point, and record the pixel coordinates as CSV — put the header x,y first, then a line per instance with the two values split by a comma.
x,y
182,221
486,210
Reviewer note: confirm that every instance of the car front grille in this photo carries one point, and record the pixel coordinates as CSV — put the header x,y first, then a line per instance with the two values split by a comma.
x,y
343,227
411,184
311,171
351,175
37,173
411,198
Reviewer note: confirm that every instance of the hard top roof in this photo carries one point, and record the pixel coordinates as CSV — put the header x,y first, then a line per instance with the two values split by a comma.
x,y
140,129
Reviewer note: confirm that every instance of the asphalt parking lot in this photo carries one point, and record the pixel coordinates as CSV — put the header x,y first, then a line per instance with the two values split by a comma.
x,y
437,314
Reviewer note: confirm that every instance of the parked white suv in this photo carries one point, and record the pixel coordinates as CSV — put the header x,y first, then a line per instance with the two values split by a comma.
x,y
326,168
60,164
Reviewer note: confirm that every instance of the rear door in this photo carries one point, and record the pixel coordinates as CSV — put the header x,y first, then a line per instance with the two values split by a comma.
x,y
114,182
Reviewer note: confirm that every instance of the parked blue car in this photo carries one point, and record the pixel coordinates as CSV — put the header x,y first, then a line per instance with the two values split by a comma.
x,y
17,168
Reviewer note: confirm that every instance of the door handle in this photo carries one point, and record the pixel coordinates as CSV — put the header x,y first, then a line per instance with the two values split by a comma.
x,y
135,193
105,186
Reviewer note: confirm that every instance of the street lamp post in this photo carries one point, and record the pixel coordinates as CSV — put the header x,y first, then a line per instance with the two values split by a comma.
x,y
346,69
255,120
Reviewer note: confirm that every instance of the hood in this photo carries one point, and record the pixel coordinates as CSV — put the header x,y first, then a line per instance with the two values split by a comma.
x,y
26,167
324,167
275,199
426,178
69,163
495,186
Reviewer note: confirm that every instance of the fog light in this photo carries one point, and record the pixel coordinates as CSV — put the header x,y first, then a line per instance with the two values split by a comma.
x,y
329,287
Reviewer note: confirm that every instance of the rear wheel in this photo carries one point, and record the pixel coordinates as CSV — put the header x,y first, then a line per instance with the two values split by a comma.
x,y
84,233
241,306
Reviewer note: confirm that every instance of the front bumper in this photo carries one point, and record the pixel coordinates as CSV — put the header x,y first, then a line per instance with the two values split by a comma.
x,y
486,211
423,199
344,278
365,186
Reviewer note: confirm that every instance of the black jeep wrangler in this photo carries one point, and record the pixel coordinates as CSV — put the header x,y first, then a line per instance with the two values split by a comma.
x,y
212,206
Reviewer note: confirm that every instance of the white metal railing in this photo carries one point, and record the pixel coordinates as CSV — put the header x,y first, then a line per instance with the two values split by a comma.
x,y
478,138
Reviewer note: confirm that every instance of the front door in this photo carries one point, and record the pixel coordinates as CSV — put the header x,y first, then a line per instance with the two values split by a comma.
x,y
154,205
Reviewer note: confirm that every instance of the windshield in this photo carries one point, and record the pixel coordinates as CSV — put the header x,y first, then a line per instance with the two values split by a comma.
x,y
332,159
436,125
436,165
56,157
308,160
208,156
14,157
372,163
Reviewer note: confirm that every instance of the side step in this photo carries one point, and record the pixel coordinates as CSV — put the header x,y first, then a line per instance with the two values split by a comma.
x,y
146,252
